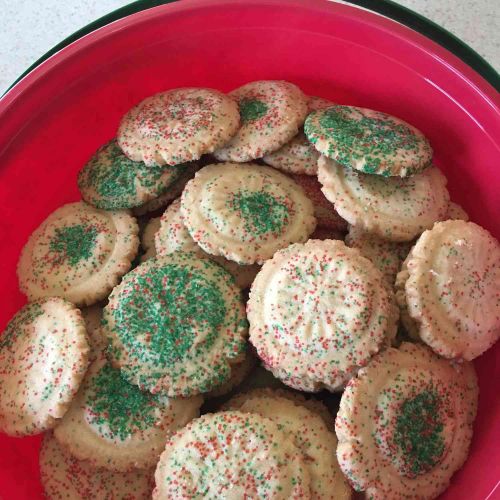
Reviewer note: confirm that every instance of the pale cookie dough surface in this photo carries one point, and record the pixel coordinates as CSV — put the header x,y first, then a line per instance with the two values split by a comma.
x,y
231,455
177,126
79,253
368,141
115,425
405,423
64,477
92,316
392,208
245,212
271,114
453,289
318,312
43,358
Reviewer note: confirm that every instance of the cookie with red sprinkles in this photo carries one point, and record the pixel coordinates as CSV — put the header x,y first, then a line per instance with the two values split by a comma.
x,y
271,113
318,312
232,455
115,425
43,358
392,208
245,212
405,423
79,253
451,282
178,125
176,324
64,477
368,141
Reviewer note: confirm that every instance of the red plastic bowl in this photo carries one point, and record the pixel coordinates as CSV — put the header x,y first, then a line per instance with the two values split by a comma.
x,y
57,116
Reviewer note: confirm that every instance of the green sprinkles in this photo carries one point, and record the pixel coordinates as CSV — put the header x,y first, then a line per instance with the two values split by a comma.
x,y
252,109
74,243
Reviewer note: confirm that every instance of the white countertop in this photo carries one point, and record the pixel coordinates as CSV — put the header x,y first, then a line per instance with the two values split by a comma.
x,y
31,27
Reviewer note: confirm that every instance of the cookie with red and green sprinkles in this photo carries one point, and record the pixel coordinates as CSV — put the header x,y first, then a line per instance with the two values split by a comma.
x,y
43,358
369,141
245,212
115,425
79,253
178,125
318,312
64,477
405,423
456,212
271,113
176,324
451,282
232,455
392,208
111,181
311,434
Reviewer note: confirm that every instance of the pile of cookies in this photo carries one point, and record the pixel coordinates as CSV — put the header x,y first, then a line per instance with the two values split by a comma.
x,y
211,238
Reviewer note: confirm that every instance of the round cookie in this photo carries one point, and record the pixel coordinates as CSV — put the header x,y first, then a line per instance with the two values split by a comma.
x,y
66,478
453,288
405,423
456,212
79,253
245,212
310,433
387,256
368,141
112,181
92,316
175,325
116,426
271,114
410,326
43,358
148,238
318,312
231,455
178,125
393,209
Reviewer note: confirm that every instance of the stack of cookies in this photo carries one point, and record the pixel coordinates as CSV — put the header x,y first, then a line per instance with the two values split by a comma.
x,y
221,235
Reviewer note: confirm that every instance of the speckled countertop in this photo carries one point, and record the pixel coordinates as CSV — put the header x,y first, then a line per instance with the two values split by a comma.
x,y
31,27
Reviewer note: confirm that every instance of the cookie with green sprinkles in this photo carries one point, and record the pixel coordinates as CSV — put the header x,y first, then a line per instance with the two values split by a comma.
x,y
110,180
232,455
64,477
115,425
178,125
43,358
392,208
79,253
451,281
405,423
271,113
369,141
311,434
318,312
245,212
176,324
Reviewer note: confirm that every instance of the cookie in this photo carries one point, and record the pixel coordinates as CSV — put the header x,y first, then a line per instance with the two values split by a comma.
x,y
43,358
452,288
271,114
245,212
66,478
405,423
116,426
391,208
92,316
148,238
456,212
178,125
176,324
310,434
231,455
79,253
318,312
368,141
112,181
298,156
324,211
387,256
